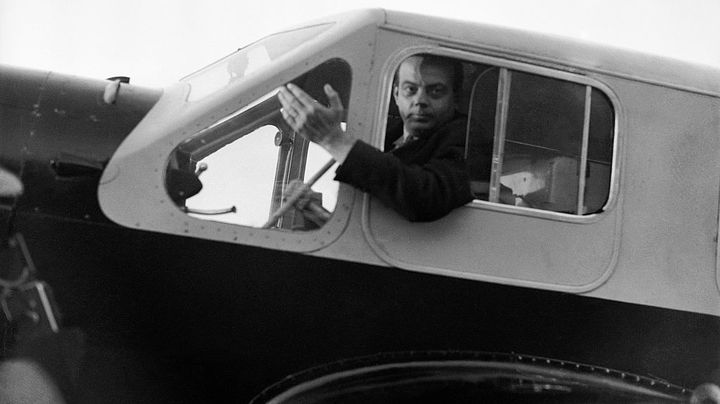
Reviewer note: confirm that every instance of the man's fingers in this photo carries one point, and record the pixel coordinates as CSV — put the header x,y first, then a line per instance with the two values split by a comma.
x,y
288,101
288,118
291,110
297,98
333,98
302,97
306,116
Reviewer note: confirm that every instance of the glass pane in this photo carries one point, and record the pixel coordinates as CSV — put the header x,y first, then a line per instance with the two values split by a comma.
x,y
240,174
600,152
326,186
544,141
247,60
542,152
482,109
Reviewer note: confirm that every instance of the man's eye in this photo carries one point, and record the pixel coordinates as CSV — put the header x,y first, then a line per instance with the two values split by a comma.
x,y
437,91
409,90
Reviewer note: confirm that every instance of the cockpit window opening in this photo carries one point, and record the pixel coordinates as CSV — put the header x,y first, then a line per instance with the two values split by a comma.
x,y
534,140
238,169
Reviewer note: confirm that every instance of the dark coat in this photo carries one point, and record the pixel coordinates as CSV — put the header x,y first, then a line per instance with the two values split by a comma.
x,y
422,180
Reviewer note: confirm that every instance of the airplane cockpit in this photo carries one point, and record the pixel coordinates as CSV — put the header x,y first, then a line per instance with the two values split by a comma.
x,y
540,148
214,158
532,141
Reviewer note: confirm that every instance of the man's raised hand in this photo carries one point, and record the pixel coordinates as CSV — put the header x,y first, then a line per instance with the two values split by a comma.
x,y
316,122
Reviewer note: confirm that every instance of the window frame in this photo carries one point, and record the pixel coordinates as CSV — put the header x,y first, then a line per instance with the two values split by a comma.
x,y
290,163
558,72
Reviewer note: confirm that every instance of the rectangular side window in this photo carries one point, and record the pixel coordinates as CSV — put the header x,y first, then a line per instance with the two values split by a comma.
x,y
551,142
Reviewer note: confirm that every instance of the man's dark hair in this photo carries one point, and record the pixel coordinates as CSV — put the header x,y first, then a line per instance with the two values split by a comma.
x,y
455,66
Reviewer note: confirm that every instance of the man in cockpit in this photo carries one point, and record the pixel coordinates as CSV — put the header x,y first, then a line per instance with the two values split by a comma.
x,y
422,173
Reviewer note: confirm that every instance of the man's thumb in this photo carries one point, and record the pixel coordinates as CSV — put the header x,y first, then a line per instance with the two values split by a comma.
x,y
333,98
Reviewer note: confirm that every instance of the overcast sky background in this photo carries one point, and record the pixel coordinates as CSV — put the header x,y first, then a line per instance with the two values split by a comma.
x,y
156,42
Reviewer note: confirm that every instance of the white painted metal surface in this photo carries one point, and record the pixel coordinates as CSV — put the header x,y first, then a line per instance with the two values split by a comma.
x,y
655,243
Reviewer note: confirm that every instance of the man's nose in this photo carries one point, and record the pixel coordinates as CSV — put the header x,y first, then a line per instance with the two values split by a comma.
x,y
421,97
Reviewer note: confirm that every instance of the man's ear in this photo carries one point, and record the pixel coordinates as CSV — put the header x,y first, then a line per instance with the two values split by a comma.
x,y
395,94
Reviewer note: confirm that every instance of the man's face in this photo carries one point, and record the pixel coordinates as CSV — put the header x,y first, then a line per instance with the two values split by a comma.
x,y
424,95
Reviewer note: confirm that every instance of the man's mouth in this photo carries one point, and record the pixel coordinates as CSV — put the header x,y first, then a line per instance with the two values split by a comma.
x,y
421,117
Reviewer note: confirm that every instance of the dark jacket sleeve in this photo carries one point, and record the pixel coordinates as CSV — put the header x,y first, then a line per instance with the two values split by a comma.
x,y
420,191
